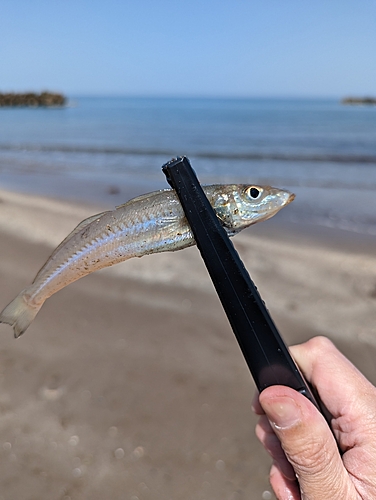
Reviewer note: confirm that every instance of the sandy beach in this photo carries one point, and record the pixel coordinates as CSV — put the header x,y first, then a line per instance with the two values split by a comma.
x,y
130,384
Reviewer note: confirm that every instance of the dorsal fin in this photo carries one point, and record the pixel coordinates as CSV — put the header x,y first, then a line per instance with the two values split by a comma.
x,y
141,197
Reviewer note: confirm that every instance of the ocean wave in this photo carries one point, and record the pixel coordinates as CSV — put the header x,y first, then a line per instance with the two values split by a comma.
x,y
213,155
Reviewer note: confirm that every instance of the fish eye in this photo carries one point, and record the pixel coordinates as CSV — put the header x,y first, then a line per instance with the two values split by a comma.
x,y
253,192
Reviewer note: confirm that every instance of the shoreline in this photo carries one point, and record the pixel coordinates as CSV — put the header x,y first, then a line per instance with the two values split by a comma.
x,y
101,194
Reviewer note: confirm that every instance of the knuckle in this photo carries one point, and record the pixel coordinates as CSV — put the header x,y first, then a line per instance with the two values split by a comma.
x,y
320,344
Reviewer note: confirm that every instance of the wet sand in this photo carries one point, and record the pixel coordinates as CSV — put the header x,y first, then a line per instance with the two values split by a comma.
x,y
130,385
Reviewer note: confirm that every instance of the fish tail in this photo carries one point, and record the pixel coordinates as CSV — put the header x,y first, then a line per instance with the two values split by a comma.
x,y
19,314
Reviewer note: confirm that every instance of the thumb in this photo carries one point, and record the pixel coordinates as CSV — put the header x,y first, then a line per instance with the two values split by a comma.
x,y
308,443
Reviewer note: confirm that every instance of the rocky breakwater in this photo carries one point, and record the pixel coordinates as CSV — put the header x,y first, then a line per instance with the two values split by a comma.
x,y
31,99
356,101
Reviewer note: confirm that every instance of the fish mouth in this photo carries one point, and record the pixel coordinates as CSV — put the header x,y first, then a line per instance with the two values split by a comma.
x,y
290,198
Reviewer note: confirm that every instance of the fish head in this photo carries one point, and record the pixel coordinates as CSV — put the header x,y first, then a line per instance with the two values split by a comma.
x,y
239,205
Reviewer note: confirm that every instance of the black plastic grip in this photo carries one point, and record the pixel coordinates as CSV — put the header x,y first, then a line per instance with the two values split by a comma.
x,y
263,348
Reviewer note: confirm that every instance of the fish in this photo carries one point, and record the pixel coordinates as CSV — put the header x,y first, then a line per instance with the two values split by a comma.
x,y
150,223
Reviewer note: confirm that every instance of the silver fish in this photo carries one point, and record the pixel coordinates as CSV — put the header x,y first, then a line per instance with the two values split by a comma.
x,y
150,223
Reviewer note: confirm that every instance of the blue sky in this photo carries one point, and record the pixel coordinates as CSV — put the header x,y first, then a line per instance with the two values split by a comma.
x,y
189,48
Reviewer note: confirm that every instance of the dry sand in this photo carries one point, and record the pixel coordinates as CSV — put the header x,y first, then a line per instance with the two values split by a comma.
x,y
130,385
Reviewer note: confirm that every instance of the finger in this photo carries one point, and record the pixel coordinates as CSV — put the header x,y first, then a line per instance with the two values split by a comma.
x,y
272,444
256,407
283,488
341,387
308,443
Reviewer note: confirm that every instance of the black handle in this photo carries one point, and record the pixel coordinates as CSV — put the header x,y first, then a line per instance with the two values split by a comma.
x,y
263,348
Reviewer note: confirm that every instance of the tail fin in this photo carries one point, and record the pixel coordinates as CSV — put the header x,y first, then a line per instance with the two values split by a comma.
x,y
19,314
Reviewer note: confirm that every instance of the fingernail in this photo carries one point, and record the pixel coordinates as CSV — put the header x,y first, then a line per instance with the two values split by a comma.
x,y
282,412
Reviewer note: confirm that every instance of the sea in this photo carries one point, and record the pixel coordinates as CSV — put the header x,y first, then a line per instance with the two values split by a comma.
x,y
104,150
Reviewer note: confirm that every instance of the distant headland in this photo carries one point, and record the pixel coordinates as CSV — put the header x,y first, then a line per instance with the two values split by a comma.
x,y
367,101
31,99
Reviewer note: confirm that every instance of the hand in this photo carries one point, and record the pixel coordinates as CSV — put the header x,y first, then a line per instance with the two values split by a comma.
x,y
312,462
